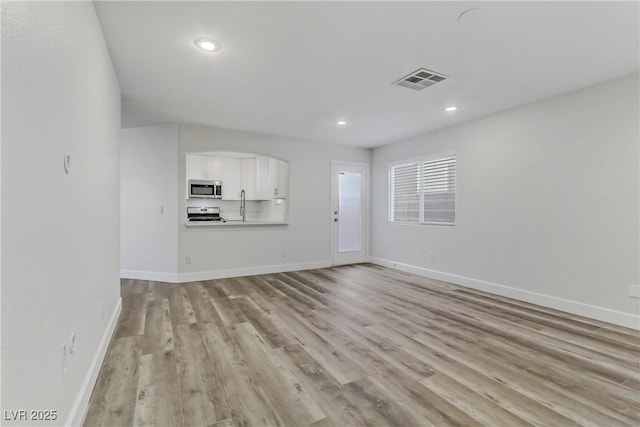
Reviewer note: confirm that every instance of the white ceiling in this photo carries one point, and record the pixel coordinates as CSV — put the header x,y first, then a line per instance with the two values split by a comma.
x,y
295,68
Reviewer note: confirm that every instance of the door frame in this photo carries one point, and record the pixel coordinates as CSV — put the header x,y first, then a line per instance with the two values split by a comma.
x,y
335,164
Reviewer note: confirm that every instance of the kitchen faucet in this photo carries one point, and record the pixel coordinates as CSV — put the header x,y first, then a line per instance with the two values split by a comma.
x,y
243,202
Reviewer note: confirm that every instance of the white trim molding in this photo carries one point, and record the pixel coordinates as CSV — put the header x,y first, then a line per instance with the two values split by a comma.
x,y
150,275
615,317
222,274
251,271
79,409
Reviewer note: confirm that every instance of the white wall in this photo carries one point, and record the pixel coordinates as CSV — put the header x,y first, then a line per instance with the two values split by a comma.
x,y
227,251
149,202
60,233
547,203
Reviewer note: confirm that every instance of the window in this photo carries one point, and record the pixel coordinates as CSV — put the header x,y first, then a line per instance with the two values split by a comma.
x,y
423,191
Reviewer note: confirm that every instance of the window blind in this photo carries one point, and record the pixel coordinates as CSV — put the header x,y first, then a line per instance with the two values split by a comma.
x,y
439,196
423,191
405,193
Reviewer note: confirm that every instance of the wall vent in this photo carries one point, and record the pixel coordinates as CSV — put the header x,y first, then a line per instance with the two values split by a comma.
x,y
420,79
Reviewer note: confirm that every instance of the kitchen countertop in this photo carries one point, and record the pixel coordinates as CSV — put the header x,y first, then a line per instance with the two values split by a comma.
x,y
231,223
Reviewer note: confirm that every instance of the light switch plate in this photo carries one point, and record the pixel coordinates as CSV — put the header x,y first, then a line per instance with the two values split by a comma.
x,y
67,164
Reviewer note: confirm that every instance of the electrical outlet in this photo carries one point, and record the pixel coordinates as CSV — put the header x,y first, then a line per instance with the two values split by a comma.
x,y
431,256
189,259
634,291
283,253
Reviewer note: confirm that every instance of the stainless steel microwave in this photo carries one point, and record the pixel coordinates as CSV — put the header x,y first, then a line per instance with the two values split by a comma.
x,y
199,189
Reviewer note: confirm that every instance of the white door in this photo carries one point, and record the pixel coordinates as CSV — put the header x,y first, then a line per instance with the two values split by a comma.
x,y
348,212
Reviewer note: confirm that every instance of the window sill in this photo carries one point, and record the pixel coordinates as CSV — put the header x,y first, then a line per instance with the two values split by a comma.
x,y
447,224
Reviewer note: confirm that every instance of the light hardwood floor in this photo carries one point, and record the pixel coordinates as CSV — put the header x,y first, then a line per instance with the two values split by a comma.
x,y
358,345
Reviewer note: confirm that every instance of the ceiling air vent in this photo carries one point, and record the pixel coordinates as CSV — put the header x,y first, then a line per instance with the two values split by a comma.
x,y
420,79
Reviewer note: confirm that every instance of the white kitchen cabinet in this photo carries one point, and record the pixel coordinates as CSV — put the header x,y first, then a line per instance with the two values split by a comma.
x,y
214,168
263,178
196,166
279,179
248,178
230,179
238,175
204,167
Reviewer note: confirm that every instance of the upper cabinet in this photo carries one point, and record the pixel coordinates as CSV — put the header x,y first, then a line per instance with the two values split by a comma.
x,y
248,178
279,179
261,177
230,179
238,175
204,167
271,178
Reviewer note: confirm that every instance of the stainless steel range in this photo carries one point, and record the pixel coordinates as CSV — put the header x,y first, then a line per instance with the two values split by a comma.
x,y
203,214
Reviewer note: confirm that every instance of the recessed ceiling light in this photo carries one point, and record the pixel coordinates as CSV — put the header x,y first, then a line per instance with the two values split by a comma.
x,y
207,44
341,123
451,109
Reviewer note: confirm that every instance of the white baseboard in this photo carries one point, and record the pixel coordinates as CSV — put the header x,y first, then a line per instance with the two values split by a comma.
x,y
615,317
79,410
222,274
252,271
150,275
